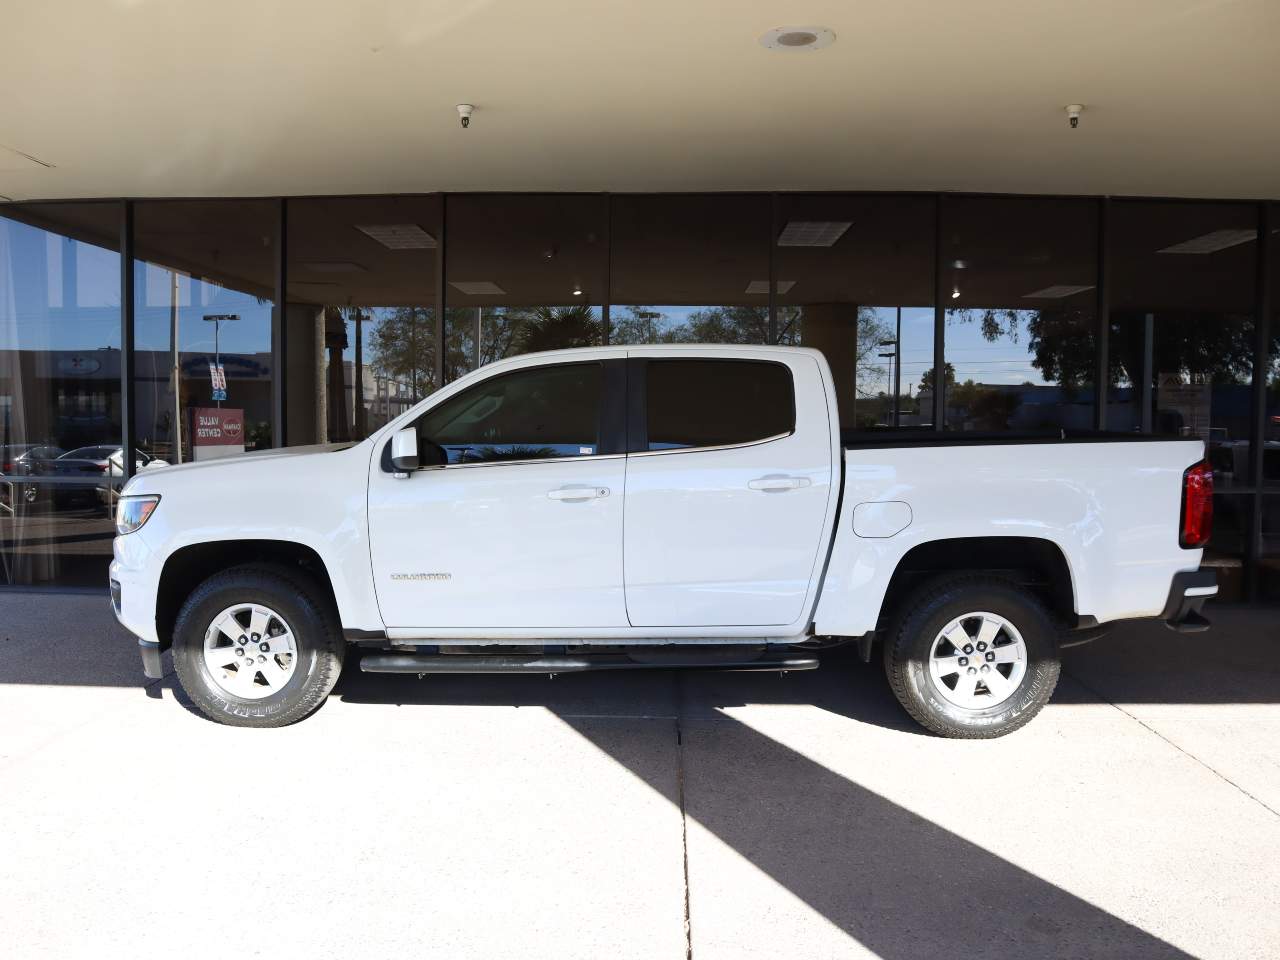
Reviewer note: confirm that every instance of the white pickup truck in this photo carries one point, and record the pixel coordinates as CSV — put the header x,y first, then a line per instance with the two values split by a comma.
x,y
664,506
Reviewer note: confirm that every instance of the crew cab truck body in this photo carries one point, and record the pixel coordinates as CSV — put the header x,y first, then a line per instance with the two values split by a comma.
x,y
624,507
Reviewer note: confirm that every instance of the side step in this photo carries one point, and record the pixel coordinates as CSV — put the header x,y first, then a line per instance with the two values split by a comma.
x,y
579,663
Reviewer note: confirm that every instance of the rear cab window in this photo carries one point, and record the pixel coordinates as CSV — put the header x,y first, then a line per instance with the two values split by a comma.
x,y
697,403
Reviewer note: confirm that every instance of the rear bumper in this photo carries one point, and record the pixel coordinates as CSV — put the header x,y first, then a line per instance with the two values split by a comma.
x,y
1187,595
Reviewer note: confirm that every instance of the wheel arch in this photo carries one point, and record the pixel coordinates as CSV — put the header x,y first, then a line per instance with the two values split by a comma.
x,y
1036,563
191,565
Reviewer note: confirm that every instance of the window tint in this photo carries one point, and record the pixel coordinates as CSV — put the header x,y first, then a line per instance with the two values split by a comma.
x,y
530,414
707,403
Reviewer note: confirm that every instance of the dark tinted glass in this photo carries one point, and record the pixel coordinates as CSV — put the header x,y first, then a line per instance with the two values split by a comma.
x,y
523,273
855,280
204,286
707,403
526,415
1020,281
689,268
59,390
1269,574
361,295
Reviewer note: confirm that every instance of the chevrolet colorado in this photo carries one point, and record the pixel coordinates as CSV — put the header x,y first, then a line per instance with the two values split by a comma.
x,y
658,506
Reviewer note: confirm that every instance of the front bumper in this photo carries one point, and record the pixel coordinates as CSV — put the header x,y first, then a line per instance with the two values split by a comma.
x,y
152,667
1187,595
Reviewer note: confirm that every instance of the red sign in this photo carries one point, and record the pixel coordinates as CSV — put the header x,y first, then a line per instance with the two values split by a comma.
x,y
212,427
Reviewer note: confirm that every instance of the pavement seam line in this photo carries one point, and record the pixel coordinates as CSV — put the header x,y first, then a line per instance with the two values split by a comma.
x,y
1186,753
684,817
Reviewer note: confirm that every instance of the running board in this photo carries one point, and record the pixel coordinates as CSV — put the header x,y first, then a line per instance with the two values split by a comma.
x,y
422,663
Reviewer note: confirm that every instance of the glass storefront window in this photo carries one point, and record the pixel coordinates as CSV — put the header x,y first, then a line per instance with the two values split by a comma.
x,y
60,428
690,268
1182,338
1270,572
360,311
1020,276
524,273
204,286
855,280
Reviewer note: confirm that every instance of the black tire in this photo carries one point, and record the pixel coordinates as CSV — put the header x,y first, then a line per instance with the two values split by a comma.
x,y
933,607
314,624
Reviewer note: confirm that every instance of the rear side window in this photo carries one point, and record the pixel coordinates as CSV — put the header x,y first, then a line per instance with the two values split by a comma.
x,y
532,414
711,403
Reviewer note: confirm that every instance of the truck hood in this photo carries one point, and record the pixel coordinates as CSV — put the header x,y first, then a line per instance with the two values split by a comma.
x,y
150,478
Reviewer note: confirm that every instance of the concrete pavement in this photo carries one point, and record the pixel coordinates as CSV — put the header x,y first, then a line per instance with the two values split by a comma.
x,y
639,815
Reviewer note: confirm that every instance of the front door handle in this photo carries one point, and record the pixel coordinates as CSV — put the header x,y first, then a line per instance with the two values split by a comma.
x,y
778,483
577,494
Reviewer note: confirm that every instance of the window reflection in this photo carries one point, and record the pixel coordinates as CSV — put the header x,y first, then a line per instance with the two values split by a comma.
x,y
60,429
361,312
690,269
524,273
1021,316
1182,338
203,291
855,280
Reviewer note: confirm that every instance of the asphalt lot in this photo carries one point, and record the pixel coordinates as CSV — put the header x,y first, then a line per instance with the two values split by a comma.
x,y
640,815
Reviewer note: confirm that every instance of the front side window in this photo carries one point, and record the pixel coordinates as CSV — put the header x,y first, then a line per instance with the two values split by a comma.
x,y
711,403
533,414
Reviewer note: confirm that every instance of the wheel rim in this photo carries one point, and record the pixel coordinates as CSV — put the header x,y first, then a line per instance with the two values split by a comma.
x,y
978,660
250,651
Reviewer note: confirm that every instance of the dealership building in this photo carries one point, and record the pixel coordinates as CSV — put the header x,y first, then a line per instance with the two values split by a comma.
x,y
224,231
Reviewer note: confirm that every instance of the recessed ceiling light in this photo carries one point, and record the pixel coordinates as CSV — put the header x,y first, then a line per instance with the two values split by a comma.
x,y
398,236
331,266
798,38
813,233
1057,291
1212,242
955,293
762,286
960,264
477,288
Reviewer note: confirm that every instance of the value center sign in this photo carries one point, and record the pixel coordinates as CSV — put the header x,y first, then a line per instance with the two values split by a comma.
x,y
216,432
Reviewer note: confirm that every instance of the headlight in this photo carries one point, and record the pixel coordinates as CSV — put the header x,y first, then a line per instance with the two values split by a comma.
x,y
133,512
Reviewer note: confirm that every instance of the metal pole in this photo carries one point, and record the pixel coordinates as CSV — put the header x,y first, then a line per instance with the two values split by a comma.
x,y
1258,426
358,386
897,373
176,432
126,341
1102,376
1148,363
279,335
939,325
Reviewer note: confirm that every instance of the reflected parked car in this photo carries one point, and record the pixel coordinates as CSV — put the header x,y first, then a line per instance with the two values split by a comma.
x,y
74,478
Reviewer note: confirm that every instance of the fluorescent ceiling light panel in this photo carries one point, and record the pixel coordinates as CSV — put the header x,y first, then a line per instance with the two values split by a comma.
x,y
1213,242
398,236
1057,291
813,233
477,288
762,286
331,266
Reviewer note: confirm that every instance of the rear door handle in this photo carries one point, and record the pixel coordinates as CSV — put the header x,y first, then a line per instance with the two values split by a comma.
x,y
577,494
778,484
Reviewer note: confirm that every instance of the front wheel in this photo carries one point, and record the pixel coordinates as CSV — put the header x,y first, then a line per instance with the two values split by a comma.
x,y
973,657
257,646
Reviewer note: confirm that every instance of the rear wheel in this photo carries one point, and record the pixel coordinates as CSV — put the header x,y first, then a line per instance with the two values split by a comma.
x,y
973,657
257,646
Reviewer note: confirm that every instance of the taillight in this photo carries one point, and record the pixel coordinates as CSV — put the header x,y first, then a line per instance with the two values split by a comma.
x,y
1197,506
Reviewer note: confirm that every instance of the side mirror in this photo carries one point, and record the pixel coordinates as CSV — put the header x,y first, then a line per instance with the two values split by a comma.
x,y
432,455
404,450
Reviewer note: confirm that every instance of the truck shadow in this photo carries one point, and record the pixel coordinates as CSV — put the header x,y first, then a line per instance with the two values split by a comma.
x,y
898,884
